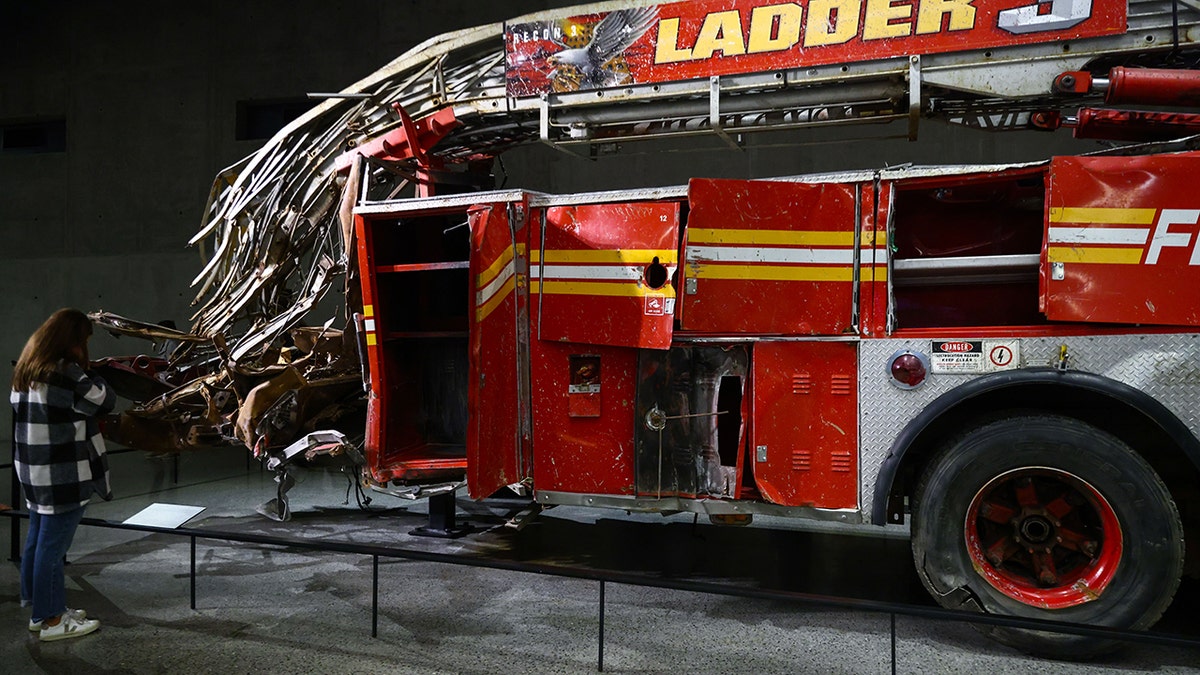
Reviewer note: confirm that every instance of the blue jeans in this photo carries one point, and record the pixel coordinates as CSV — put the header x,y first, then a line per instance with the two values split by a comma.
x,y
42,579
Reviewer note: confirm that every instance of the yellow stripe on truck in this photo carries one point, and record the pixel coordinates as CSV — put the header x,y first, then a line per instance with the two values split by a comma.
x,y
612,256
1108,216
488,307
1094,254
773,272
487,275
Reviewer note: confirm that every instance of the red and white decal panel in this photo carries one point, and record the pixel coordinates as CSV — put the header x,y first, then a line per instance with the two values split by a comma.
x,y
769,257
497,355
1123,240
603,274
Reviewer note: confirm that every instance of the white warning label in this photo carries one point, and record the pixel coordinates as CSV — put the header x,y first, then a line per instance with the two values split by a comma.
x,y
974,356
658,304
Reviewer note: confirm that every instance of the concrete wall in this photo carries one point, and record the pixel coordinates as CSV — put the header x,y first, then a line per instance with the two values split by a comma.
x,y
149,92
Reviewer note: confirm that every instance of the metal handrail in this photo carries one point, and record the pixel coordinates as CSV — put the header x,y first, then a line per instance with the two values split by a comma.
x,y
624,578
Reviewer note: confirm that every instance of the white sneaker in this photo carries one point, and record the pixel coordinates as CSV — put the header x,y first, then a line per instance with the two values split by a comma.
x,y
79,614
69,627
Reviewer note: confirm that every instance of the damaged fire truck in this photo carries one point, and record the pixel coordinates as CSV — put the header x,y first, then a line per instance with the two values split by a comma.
x,y
1006,357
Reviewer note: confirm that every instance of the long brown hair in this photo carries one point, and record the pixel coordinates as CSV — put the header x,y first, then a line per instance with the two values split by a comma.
x,y
63,336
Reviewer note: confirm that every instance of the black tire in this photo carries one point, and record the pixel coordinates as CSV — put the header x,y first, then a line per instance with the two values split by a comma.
x,y
990,514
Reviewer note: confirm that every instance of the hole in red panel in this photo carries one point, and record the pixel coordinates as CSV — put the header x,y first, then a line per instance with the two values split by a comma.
x,y
656,274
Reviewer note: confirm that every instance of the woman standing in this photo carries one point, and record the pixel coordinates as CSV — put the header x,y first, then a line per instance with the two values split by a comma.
x,y
60,460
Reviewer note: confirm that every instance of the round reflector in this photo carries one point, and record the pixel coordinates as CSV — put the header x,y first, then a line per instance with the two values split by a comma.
x,y
908,369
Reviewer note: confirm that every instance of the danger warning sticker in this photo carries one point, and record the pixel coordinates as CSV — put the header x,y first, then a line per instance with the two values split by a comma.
x,y
974,356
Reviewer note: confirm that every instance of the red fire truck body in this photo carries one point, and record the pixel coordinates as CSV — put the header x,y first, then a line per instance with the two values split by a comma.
x,y
812,347
576,310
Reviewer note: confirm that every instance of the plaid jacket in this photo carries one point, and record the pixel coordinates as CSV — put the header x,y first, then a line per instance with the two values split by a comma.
x,y
58,452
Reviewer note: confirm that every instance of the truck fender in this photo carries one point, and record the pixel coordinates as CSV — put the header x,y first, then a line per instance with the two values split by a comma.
x,y
1132,398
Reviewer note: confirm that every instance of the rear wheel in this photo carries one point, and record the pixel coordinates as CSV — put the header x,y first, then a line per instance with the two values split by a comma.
x,y
1051,518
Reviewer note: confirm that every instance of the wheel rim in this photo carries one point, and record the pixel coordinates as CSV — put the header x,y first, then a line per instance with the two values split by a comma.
x,y
1044,537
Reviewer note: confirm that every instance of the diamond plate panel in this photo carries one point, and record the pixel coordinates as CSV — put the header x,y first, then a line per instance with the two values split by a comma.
x,y
1167,367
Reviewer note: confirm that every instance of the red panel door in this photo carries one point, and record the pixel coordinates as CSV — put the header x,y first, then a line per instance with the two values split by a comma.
x,y
769,257
804,429
498,392
604,274
1123,240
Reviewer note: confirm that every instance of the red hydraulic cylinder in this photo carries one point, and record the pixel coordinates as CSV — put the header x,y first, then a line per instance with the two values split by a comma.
x,y
1153,86
1145,86
1122,125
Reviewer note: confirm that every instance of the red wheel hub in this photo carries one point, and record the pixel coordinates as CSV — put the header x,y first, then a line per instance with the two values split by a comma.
x,y
1044,537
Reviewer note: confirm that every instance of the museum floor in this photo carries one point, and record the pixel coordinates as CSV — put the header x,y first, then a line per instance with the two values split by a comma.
x,y
277,609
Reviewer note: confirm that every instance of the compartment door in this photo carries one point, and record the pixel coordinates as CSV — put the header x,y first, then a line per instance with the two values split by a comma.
x,y
1123,240
498,399
804,429
604,274
770,257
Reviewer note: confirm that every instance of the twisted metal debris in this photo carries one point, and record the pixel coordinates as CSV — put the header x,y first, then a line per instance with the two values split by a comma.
x,y
278,224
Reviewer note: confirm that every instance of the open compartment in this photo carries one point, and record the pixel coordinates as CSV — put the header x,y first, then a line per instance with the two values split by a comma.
x,y
416,278
966,251
425,422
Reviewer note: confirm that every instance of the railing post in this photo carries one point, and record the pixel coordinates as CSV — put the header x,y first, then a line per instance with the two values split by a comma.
x,y
193,574
600,657
374,596
893,615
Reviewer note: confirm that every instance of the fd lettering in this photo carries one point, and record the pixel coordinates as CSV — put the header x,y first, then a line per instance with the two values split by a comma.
x,y
1164,238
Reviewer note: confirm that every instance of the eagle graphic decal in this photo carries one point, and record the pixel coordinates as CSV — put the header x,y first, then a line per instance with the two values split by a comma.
x,y
577,53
